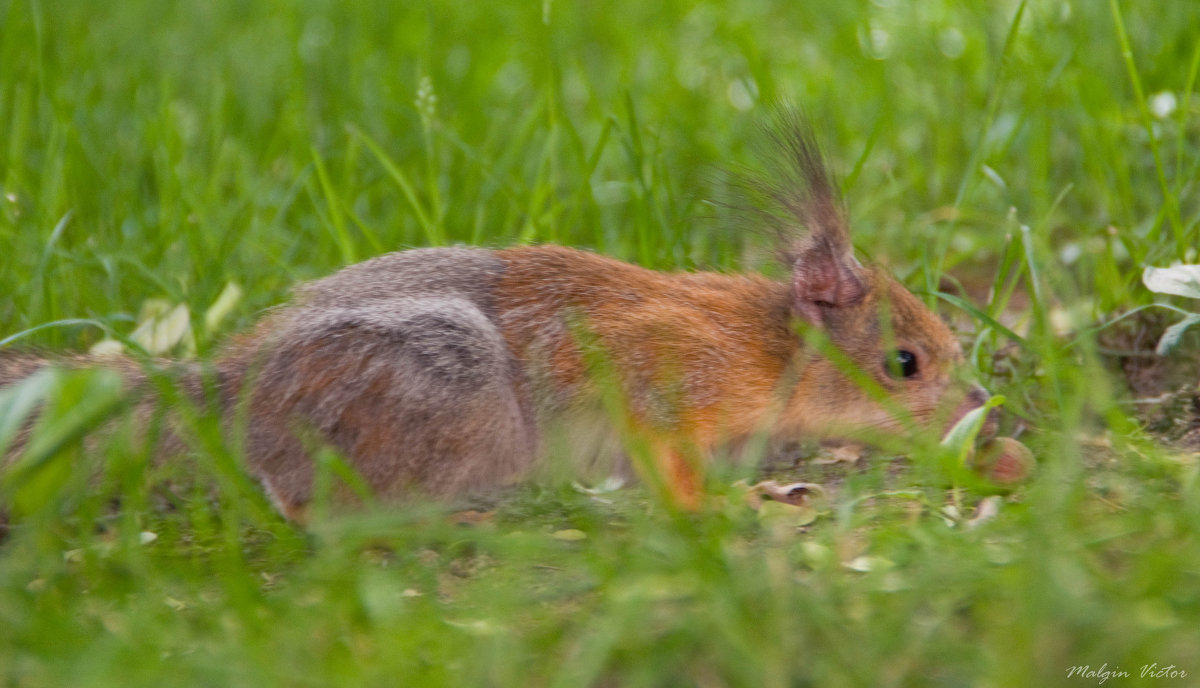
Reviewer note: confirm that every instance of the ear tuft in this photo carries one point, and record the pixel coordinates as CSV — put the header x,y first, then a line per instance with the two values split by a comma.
x,y
825,274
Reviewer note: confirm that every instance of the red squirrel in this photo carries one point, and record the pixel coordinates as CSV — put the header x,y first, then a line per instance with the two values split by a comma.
x,y
450,371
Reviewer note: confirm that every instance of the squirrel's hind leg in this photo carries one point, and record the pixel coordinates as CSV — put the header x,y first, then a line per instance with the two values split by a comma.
x,y
420,395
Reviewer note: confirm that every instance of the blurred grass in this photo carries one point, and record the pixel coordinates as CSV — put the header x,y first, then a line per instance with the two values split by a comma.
x,y
165,150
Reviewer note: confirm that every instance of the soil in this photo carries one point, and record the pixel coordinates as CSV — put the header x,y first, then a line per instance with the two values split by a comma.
x,y
1164,390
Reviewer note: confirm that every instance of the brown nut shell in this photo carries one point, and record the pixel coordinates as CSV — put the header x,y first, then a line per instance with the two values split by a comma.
x,y
1004,462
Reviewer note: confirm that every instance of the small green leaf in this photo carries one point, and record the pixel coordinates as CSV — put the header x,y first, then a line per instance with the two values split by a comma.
x,y
569,535
1170,338
962,436
786,517
959,443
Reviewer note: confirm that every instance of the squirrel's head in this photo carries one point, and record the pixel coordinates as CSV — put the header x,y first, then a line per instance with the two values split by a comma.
x,y
876,356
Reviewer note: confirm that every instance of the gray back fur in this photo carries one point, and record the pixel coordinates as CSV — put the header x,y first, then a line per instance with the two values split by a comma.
x,y
468,273
398,364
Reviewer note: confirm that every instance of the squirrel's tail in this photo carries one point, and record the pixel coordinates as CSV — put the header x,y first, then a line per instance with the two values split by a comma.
x,y
98,412
142,383
18,365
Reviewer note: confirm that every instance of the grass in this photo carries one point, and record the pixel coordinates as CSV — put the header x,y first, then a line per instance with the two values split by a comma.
x,y
167,151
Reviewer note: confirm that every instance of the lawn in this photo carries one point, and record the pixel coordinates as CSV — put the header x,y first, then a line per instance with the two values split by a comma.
x,y
1016,164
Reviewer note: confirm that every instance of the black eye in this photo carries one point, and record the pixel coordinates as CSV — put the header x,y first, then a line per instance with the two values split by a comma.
x,y
902,363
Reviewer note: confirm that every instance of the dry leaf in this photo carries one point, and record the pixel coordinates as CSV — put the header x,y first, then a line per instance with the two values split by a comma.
x,y
794,494
841,453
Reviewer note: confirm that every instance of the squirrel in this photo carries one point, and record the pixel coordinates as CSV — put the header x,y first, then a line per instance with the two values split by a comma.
x,y
447,372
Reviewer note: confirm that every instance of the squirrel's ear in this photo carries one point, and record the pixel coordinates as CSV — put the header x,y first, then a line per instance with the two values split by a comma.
x,y
826,275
